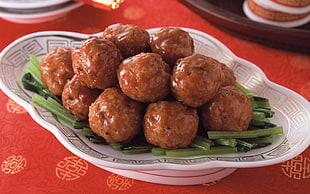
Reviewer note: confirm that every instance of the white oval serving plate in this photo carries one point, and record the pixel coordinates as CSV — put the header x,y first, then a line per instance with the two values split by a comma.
x,y
292,112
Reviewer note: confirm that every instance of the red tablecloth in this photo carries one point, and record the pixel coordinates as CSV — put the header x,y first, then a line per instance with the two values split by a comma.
x,y
33,161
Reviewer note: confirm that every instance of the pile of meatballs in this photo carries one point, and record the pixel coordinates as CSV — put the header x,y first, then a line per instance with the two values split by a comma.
x,y
125,80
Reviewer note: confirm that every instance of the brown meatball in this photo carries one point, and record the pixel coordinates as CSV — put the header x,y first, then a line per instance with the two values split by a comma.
x,y
95,63
114,116
77,98
130,39
229,76
196,79
56,69
229,110
170,124
144,77
172,44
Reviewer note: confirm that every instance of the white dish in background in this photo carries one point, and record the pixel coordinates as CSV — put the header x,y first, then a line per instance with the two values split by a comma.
x,y
29,4
292,112
19,16
285,8
286,24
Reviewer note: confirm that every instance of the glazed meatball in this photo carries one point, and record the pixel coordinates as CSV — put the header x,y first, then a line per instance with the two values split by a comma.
x,y
229,110
144,77
114,116
56,69
77,98
196,79
229,77
170,124
172,44
130,39
95,63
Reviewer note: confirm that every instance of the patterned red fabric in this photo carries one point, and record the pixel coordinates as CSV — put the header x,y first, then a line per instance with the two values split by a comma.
x,y
33,161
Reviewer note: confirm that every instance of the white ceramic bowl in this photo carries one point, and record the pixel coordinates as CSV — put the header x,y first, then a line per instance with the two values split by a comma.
x,y
29,4
289,6
38,15
292,112
258,10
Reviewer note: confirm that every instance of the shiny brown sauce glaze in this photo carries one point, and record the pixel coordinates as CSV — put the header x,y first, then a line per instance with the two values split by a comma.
x,y
56,69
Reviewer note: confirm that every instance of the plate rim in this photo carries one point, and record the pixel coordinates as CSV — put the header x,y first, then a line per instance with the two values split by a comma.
x,y
53,12
29,5
39,17
197,166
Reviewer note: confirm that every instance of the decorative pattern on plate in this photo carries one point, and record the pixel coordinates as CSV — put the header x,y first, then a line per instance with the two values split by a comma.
x,y
292,111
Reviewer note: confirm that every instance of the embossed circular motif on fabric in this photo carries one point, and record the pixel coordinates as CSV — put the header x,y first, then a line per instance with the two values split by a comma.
x,y
15,108
119,183
133,13
71,168
297,168
13,164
